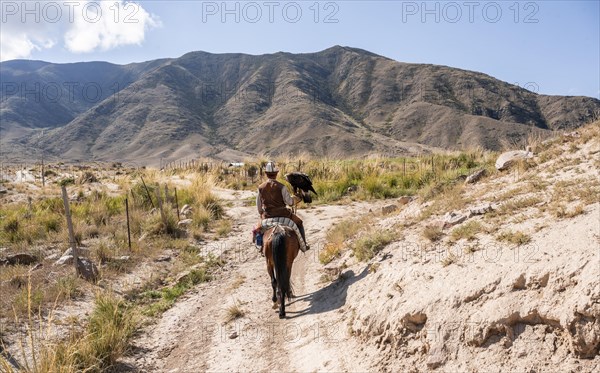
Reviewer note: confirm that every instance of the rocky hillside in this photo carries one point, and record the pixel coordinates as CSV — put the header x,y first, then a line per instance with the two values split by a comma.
x,y
501,275
338,102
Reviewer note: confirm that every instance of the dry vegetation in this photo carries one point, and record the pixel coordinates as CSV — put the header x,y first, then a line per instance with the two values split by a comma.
x,y
32,221
530,190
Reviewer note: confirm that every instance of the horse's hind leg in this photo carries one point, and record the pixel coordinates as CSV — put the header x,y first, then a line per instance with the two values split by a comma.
x,y
274,285
281,304
271,271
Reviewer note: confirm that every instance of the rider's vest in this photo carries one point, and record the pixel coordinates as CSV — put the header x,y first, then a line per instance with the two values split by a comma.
x,y
272,199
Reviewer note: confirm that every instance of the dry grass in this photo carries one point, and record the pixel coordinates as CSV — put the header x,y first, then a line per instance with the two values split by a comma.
x,y
370,244
95,348
338,236
234,312
40,289
468,231
239,281
330,251
513,205
432,233
514,237
100,224
449,259
560,211
448,197
223,227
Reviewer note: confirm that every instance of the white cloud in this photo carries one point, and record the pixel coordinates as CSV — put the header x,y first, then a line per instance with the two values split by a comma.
x,y
84,26
108,24
15,46
20,37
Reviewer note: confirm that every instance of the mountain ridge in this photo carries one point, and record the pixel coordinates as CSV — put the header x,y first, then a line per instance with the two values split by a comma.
x,y
338,102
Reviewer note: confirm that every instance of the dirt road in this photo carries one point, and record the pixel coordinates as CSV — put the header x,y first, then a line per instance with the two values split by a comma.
x,y
194,336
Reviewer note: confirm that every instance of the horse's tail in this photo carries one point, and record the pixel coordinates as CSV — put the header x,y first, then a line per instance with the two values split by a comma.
x,y
280,260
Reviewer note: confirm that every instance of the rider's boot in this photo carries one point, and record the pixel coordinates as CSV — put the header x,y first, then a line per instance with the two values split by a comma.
x,y
301,229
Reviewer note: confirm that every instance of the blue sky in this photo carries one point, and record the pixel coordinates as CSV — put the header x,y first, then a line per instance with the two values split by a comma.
x,y
552,47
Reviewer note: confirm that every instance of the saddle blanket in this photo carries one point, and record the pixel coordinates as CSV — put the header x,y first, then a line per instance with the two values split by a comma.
x,y
271,222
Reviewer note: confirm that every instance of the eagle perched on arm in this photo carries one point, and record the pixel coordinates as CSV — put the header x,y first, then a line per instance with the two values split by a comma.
x,y
301,181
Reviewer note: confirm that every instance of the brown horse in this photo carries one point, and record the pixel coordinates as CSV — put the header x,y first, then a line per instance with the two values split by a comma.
x,y
281,248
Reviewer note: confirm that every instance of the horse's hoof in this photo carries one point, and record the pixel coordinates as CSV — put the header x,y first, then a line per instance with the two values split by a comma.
x,y
282,316
275,306
274,299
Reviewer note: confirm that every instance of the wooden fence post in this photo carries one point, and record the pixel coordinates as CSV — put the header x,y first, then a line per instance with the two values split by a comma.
x,y
43,176
128,230
147,191
160,206
70,228
177,204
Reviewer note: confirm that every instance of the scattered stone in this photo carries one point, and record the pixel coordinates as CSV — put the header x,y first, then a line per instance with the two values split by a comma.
x,y
452,218
64,260
143,237
163,258
438,225
124,258
481,209
389,209
474,177
36,267
573,135
184,222
436,358
20,258
404,200
87,269
3,190
352,189
52,256
233,335
505,160
185,210
80,250
182,277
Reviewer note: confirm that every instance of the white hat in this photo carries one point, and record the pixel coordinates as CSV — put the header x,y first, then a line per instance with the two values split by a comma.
x,y
271,168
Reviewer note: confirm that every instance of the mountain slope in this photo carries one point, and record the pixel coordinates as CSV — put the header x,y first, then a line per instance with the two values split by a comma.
x,y
337,102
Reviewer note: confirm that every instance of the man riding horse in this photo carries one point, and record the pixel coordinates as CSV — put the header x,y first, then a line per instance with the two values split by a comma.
x,y
273,198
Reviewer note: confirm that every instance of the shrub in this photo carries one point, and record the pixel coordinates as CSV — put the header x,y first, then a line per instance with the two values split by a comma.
x,y
432,233
466,231
366,247
517,238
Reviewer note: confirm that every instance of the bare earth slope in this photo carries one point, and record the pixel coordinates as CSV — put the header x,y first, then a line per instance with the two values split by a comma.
x,y
338,102
469,305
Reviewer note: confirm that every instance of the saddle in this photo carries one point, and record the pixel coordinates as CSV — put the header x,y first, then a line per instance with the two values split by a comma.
x,y
269,223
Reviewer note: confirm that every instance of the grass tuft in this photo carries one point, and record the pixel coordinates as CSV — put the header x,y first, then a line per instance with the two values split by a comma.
x,y
466,231
234,312
514,237
367,246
